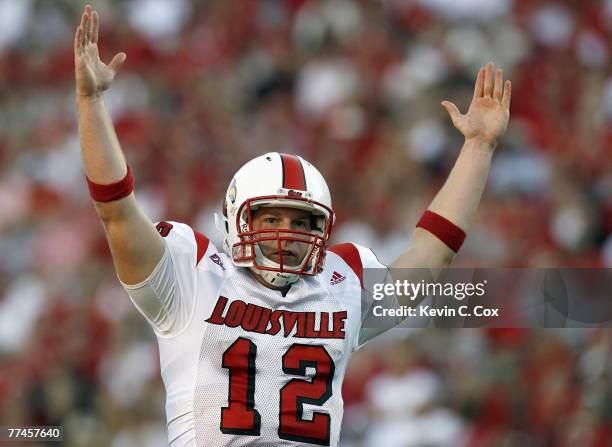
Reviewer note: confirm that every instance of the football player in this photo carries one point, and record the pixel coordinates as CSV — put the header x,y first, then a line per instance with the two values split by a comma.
x,y
255,336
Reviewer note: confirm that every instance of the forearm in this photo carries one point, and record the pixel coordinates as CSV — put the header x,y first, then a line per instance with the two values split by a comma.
x,y
458,199
103,159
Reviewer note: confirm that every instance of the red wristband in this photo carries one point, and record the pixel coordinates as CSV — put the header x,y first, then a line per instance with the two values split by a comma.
x,y
443,229
113,191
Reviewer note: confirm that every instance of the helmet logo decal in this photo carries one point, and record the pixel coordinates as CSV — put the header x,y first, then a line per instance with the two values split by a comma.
x,y
231,192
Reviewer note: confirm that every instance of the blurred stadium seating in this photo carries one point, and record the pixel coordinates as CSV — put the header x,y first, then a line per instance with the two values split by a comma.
x,y
354,86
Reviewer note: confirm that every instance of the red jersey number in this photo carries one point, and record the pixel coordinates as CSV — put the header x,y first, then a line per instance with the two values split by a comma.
x,y
241,417
298,392
164,228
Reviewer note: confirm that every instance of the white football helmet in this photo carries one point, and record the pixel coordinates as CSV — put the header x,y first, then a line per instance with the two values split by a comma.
x,y
277,180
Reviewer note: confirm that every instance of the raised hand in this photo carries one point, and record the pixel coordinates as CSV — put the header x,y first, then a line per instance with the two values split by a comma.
x,y
487,118
92,75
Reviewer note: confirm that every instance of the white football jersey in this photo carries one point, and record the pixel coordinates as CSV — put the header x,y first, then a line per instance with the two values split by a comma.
x,y
242,364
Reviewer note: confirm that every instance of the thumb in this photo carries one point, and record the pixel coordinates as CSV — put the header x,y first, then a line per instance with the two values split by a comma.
x,y
117,62
453,111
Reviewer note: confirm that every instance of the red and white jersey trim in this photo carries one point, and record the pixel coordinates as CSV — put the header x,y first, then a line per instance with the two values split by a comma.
x,y
351,255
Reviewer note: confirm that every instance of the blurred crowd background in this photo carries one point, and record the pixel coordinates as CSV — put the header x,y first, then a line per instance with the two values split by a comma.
x,y
355,87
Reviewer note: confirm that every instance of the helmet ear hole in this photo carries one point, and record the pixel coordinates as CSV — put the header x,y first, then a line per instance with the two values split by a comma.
x,y
226,227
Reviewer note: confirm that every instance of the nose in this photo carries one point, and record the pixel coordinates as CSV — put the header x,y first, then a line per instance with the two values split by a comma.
x,y
285,243
285,224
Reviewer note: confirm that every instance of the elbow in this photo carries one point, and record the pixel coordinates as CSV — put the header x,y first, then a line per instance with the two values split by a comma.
x,y
106,211
447,258
440,260
114,211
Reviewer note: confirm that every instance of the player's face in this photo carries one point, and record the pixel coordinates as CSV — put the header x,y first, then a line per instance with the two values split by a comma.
x,y
282,218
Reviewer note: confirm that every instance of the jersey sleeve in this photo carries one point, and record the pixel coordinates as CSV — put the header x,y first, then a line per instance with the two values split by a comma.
x,y
375,273
167,297
370,271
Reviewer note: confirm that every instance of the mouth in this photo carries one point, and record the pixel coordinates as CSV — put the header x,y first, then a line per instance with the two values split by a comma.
x,y
289,257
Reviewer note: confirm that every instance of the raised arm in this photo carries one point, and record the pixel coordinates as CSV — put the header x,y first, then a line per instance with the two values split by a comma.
x,y
482,126
135,244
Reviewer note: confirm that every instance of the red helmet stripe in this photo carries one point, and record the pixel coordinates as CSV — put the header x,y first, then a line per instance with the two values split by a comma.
x,y
293,173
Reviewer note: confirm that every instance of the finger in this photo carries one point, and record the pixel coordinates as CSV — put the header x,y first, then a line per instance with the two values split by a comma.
x,y
479,87
497,89
89,23
82,28
507,94
77,42
85,25
95,26
117,62
83,20
453,111
488,80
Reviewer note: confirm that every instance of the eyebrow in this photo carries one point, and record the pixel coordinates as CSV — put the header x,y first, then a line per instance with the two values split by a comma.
x,y
277,213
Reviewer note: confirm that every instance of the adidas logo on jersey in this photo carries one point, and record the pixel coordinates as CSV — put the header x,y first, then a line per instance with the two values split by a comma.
x,y
336,278
217,260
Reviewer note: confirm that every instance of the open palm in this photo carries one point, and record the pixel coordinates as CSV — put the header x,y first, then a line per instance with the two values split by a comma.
x,y
92,75
487,118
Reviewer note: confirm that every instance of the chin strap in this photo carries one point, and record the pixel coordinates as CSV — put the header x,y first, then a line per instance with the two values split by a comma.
x,y
276,279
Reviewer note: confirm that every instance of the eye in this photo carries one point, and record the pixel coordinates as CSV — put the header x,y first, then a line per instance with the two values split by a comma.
x,y
270,220
300,223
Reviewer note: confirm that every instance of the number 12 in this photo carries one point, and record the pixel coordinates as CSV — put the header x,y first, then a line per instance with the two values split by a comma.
x,y
241,417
